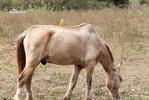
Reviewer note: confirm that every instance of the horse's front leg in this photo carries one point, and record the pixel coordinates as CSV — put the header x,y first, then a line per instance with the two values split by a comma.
x,y
89,73
73,81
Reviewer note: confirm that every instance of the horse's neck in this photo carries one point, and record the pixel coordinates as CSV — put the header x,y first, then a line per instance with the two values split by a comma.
x,y
106,61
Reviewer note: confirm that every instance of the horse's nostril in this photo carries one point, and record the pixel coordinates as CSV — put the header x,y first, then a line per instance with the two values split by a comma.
x,y
118,97
121,79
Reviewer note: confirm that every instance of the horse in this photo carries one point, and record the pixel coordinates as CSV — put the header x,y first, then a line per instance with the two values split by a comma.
x,y
78,45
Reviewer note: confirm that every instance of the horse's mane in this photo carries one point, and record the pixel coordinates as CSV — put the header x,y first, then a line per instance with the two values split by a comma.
x,y
77,26
110,53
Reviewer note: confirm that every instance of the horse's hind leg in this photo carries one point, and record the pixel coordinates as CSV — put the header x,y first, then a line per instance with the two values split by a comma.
x,y
25,77
73,81
28,87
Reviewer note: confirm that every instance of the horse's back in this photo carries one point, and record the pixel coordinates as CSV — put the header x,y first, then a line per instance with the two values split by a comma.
x,y
70,45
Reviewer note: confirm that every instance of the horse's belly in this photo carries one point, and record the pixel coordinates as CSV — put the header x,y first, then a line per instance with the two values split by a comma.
x,y
62,59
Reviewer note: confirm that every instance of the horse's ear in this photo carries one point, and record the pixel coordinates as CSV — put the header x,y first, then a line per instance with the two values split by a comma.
x,y
119,65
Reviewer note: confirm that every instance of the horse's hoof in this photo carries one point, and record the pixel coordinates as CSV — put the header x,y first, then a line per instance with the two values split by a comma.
x,y
88,98
16,98
67,98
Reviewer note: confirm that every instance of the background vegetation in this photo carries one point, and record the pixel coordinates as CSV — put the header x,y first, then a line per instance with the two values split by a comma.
x,y
60,4
65,4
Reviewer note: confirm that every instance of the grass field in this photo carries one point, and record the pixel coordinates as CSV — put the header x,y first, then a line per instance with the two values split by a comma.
x,y
126,31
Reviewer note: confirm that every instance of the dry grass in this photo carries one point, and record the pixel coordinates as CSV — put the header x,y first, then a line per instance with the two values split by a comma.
x,y
126,31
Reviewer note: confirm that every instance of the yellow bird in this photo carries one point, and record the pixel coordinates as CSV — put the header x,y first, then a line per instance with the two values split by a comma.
x,y
62,22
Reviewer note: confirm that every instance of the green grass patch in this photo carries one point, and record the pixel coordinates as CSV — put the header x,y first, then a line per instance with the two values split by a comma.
x,y
6,68
59,74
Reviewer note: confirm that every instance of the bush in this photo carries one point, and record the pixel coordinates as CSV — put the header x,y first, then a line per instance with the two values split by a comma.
x,y
57,4
143,1
6,4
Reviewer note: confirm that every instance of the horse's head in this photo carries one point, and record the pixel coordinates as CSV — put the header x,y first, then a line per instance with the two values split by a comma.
x,y
113,82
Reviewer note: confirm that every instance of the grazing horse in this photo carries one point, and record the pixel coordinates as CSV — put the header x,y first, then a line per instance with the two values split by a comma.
x,y
64,45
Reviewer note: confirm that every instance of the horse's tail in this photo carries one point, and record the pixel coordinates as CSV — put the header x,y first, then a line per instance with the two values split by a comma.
x,y
21,57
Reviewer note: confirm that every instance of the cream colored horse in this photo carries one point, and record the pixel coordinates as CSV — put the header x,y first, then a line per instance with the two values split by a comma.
x,y
64,45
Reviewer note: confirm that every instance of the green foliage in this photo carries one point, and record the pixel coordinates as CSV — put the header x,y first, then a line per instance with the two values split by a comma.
x,y
6,4
54,98
143,1
6,68
53,4
146,98
121,3
63,4
59,74
6,61
42,68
